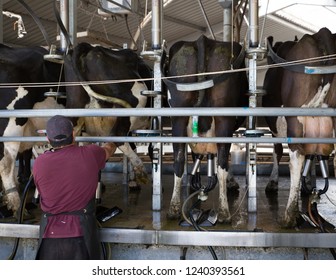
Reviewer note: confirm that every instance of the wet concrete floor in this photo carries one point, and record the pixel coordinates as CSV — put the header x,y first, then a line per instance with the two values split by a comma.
x,y
136,206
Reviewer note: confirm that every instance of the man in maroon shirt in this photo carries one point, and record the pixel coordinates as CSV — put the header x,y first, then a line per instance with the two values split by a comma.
x,y
66,178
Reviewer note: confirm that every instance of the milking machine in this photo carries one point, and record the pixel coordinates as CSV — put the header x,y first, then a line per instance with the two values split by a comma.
x,y
314,194
315,219
196,217
324,171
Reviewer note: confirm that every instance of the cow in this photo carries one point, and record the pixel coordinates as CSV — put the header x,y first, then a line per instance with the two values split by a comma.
x,y
185,61
25,76
86,63
272,98
294,88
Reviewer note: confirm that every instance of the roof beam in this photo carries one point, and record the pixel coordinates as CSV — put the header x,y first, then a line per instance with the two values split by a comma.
x,y
184,23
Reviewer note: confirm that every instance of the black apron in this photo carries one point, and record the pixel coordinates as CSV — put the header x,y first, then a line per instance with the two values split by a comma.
x,y
88,224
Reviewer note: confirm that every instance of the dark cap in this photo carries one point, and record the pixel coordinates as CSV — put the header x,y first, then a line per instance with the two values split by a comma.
x,y
59,128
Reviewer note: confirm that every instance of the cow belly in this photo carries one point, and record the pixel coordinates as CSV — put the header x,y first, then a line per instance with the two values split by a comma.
x,y
317,127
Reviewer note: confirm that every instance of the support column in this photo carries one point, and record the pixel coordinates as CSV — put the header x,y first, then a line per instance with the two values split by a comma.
x,y
254,53
68,13
155,56
73,21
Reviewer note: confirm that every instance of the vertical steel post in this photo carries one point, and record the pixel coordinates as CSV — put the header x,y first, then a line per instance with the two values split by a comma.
x,y
227,19
73,22
157,9
64,13
254,53
68,12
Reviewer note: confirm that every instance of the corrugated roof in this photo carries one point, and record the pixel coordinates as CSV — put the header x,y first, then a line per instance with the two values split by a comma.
x,y
183,20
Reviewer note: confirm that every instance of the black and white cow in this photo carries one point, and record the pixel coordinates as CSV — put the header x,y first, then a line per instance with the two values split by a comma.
x,y
225,90
272,87
22,67
298,89
87,63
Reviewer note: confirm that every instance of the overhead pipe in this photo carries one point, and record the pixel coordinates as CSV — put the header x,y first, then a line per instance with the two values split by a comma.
x,y
64,13
253,24
156,24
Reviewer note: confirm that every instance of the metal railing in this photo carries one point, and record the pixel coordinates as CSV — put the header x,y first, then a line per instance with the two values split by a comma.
x,y
170,112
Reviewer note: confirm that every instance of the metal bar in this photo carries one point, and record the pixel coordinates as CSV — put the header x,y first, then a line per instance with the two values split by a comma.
x,y
168,112
192,238
171,139
206,19
253,24
156,24
157,14
64,11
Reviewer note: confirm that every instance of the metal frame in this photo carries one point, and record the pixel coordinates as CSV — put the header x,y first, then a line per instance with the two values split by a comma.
x,y
191,238
173,112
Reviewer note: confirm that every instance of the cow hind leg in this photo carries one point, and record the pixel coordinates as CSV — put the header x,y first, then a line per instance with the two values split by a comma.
x,y
140,173
232,185
174,211
224,215
272,185
11,194
292,208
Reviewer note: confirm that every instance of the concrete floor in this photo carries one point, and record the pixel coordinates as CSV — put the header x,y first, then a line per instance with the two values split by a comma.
x,y
136,213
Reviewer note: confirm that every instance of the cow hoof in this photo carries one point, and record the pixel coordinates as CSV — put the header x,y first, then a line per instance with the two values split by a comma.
x,y
12,200
133,186
232,186
141,176
272,187
289,222
143,180
174,213
224,217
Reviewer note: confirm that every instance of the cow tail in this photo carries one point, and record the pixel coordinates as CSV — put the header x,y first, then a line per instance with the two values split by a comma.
x,y
201,58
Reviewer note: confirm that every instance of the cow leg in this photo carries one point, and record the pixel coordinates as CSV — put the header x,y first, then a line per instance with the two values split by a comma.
x,y
232,184
140,174
7,171
224,215
292,208
272,185
174,211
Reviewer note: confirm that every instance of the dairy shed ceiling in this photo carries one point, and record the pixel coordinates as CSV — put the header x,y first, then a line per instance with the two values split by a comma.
x,y
182,20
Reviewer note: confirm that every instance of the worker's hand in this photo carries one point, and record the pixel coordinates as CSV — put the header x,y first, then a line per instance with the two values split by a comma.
x,y
110,149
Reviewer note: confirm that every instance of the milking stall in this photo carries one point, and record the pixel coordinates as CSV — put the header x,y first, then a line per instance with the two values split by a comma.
x,y
134,223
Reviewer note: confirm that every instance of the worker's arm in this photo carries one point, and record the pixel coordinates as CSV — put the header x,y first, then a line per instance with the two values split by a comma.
x,y
110,149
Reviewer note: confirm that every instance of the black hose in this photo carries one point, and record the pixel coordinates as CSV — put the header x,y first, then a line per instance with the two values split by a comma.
x,y
20,217
318,220
198,228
